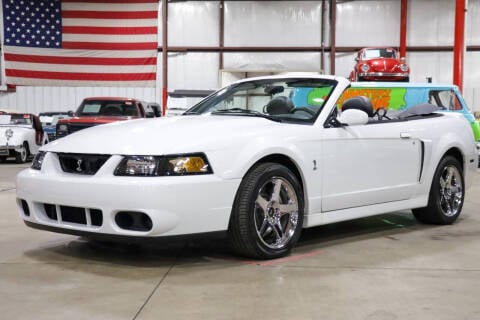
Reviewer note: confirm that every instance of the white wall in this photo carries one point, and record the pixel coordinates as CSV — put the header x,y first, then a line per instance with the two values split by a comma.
x,y
288,23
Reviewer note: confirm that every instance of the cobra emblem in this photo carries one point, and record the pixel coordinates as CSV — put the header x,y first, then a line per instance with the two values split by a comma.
x,y
79,165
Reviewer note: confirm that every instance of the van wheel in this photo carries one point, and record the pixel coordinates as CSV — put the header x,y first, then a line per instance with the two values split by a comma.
x,y
446,194
22,155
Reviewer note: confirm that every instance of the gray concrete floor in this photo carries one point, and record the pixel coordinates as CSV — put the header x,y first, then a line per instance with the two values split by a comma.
x,y
380,268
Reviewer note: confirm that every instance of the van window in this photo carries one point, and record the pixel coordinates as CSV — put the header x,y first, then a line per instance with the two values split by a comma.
x,y
445,99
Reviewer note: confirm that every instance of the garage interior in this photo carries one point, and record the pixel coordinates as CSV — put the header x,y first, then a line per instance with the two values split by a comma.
x,y
382,267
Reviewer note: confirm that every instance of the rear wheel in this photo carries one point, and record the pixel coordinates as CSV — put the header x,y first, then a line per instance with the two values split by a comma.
x,y
22,155
267,215
447,193
3,159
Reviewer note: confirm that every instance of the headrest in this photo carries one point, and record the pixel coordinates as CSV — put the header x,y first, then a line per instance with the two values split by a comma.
x,y
359,103
279,105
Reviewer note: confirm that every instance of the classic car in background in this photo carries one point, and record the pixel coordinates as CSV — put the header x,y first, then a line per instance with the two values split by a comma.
x,y
101,110
21,135
49,122
258,161
380,64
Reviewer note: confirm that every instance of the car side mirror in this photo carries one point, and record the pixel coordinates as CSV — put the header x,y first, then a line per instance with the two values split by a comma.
x,y
71,113
353,117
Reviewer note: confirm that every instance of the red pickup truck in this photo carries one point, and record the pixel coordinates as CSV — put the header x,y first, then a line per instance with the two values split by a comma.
x,y
100,110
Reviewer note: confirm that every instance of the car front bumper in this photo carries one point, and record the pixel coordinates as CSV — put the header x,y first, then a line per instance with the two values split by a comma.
x,y
395,75
179,205
5,150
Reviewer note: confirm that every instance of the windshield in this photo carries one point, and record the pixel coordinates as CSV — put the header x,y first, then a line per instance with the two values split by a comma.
x,y
378,53
15,119
107,108
293,99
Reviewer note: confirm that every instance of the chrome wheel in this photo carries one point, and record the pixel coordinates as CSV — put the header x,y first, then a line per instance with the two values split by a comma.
x,y
451,191
276,212
22,155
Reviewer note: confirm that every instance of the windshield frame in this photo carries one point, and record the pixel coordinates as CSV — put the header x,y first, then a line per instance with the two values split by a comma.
x,y
202,107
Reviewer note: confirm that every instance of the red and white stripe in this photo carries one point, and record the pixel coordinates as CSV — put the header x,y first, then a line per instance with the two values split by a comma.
x,y
104,43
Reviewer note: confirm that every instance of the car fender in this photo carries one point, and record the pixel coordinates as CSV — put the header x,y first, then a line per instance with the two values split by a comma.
x,y
461,139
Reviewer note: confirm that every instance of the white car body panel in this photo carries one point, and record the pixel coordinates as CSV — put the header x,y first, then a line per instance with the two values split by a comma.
x,y
21,134
347,172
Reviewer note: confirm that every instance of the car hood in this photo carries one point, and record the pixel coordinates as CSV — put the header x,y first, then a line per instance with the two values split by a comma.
x,y
97,120
19,133
384,64
181,134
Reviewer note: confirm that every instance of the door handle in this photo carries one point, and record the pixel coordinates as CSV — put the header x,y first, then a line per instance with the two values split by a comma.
x,y
405,135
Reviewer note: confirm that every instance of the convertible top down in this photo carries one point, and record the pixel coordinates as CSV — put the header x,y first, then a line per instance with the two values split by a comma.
x,y
260,159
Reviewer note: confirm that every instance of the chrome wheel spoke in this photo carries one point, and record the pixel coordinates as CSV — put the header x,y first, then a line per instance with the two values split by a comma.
x,y
262,203
442,183
276,190
288,208
265,228
278,230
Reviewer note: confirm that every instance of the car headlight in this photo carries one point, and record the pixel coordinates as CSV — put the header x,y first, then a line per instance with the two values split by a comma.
x,y
38,160
365,67
153,166
8,133
403,67
62,127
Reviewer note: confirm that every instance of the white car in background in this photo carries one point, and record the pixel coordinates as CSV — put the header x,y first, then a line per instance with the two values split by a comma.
x,y
21,135
258,160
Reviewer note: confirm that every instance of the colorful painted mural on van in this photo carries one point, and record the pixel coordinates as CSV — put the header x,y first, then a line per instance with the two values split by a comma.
x,y
394,96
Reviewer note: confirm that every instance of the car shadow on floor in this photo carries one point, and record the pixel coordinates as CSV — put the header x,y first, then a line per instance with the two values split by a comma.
x,y
184,252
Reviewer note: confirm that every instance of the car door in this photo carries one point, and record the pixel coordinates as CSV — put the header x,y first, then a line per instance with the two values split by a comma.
x,y
369,164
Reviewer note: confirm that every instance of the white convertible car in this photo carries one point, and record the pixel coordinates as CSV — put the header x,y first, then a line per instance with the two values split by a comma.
x,y
260,159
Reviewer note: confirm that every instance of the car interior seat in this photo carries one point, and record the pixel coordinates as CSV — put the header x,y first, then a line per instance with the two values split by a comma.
x,y
279,105
112,110
359,103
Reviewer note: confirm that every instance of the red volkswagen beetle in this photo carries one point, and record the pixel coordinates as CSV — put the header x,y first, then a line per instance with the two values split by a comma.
x,y
380,64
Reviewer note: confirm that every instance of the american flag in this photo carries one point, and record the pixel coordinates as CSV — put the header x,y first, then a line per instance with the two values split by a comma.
x,y
80,43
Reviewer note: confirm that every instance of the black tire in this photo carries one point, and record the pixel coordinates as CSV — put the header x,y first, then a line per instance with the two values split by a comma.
x,y
3,159
447,194
407,79
267,215
22,156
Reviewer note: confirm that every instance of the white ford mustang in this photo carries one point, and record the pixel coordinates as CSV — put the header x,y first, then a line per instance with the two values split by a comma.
x,y
261,159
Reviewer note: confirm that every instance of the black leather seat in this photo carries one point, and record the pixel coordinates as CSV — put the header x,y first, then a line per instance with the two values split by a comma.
x,y
359,103
279,105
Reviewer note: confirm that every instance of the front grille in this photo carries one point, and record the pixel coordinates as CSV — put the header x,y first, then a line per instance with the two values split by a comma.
x,y
51,136
78,215
86,164
73,214
73,127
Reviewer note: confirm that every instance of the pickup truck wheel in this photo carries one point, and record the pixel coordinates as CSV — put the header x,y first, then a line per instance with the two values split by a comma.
x,y
22,155
446,194
3,159
267,214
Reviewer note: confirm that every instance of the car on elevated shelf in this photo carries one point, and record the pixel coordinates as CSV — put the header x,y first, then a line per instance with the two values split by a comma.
x,y
101,110
21,135
380,64
255,162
